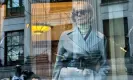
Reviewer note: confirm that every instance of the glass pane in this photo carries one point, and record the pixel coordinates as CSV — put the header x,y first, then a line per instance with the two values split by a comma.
x,y
21,38
21,50
21,33
15,40
9,34
15,33
22,2
15,3
9,4
8,59
15,53
9,41
9,50
9,53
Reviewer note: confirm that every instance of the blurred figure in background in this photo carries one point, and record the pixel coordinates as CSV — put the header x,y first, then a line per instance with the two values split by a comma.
x,y
29,75
128,61
18,73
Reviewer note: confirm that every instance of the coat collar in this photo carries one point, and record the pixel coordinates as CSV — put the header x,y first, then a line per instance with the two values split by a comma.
x,y
91,40
78,39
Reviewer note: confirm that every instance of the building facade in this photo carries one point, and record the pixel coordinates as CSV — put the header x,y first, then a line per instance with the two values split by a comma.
x,y
115,19
14,35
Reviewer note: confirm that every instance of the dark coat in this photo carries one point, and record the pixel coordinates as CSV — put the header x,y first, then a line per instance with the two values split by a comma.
x,y
73,46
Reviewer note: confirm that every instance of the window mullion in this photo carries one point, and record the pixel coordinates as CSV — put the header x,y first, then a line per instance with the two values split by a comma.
x,y
20,3
11,3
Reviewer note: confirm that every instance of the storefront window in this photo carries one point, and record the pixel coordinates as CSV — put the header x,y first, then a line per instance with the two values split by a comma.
x,y
88,40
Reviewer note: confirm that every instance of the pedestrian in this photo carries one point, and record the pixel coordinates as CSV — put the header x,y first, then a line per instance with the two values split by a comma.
x,y
128,62
18,73
29,75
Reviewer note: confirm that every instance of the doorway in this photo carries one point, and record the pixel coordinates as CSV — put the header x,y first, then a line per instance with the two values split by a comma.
x,y
116,31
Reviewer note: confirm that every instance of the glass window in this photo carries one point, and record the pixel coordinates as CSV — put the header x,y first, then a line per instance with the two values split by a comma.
x,y
97,31
15,3
15,8
14,48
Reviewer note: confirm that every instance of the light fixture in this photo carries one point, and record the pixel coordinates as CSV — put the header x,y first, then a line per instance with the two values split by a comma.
x,y
39,29
41,24
123,49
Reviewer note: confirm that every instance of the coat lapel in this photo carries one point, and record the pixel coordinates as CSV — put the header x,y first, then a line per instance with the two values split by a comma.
x,y
78,39
92,40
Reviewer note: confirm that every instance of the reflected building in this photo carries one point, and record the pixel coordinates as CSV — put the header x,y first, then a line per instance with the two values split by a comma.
x,y
55,15
26,41
115,16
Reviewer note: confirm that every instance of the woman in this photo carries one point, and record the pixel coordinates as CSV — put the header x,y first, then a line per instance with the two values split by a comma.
x,y
81,51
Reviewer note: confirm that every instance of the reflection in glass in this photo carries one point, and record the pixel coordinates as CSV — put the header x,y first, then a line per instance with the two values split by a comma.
x,y
15,3
15,50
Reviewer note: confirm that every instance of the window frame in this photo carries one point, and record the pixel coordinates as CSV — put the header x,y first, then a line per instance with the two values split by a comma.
x,y
14,11
6,48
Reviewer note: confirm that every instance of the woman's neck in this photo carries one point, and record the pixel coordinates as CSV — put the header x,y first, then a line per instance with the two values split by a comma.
x,y
84,28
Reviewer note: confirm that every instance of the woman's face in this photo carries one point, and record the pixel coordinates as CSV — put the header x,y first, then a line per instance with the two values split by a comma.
x,y
82,12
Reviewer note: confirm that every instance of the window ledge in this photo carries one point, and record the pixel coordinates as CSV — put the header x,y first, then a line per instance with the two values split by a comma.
x,y
116,2
8,17
6,68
